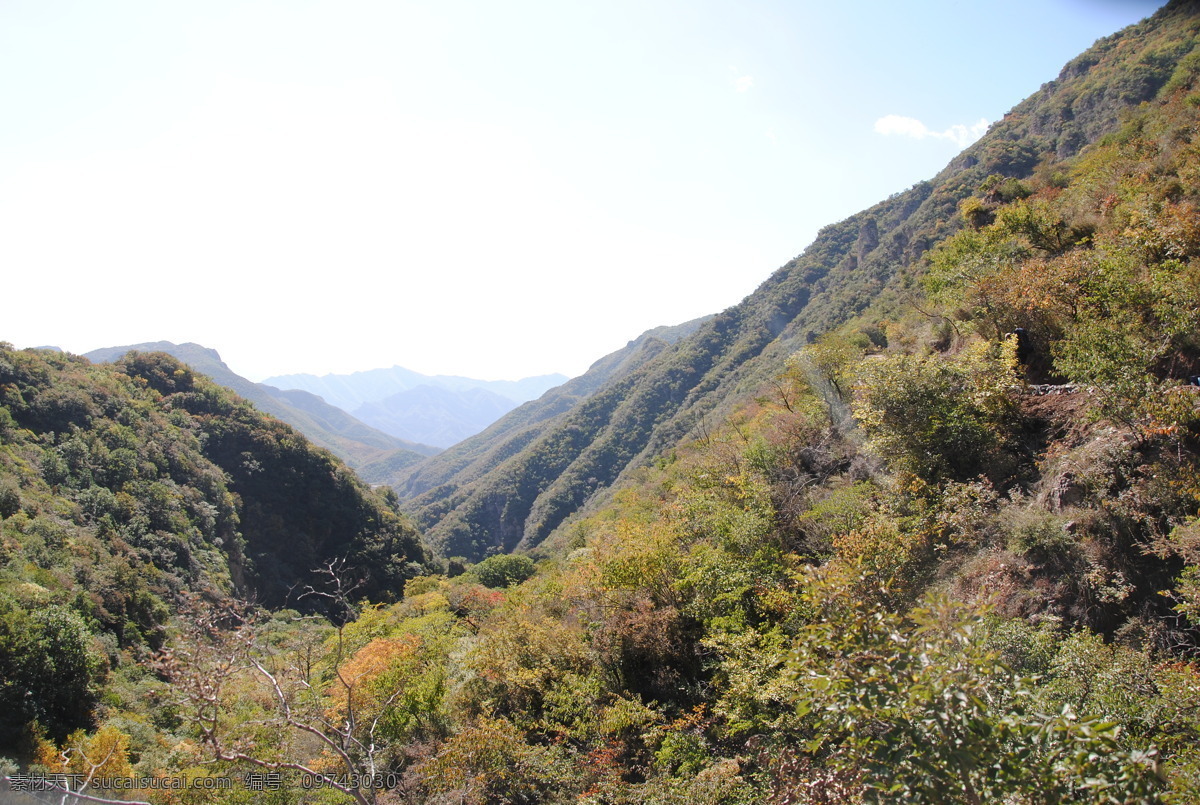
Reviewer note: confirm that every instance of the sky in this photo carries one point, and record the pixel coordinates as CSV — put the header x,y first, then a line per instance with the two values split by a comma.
x,y
490,189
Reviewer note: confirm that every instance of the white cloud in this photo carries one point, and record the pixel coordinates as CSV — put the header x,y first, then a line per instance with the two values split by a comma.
x,y
959,134
906,126
740,81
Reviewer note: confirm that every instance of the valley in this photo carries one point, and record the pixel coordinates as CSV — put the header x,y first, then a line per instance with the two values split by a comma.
x,y
918,520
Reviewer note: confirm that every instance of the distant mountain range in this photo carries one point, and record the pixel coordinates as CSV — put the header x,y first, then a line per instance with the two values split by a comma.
x,y
328,426
379,421
439,410
438,416
351,391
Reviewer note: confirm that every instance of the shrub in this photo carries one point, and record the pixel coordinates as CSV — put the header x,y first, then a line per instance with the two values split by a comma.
x,y
48,672
503,570
937,418
925,711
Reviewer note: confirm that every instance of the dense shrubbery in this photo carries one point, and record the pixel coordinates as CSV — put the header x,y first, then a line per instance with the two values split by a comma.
x,y
503,570
696,645
941,419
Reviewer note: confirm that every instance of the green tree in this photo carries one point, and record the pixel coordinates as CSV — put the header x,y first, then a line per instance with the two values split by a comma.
x,y
48,672
10,500
1130,314
967,274
503,570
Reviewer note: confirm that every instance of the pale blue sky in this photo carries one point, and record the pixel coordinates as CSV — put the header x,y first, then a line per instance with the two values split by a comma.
x,y
494,189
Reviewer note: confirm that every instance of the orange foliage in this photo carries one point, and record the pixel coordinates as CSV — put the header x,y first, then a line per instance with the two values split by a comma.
x,y
363,669
104,754
377,656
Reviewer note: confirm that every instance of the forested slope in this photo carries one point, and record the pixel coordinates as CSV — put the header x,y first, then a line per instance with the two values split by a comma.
x,y
126,486
523,498
521,453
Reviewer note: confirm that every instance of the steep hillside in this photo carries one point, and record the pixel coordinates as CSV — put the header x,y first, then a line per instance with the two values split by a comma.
x,y
324,425
126,486
519,451
476,456
864,259
950,553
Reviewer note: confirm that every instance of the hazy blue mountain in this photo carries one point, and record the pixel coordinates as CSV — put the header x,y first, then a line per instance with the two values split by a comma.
x,y
351,391
438,410
328,426
348,392
434,414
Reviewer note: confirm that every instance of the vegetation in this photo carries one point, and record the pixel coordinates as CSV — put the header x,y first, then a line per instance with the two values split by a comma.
x,y
932,557
123,487
362,447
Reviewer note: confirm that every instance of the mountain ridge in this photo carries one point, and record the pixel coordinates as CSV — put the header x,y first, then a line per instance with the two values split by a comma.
x,y
128,487
440,416
325,425
444,414
864,259
506,437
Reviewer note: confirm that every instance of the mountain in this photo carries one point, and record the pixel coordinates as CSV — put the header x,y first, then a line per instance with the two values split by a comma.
x,y
126,487
523,493
350,391
475,457
946,551
325,425
440,416
447,411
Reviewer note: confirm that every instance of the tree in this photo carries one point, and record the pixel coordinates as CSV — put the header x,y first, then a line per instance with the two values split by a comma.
x,y
503,570
1129,316
10,500
48,671
970,273
103,755
250,695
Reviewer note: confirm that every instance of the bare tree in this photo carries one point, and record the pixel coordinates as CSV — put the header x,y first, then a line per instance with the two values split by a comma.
x,y
224,648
